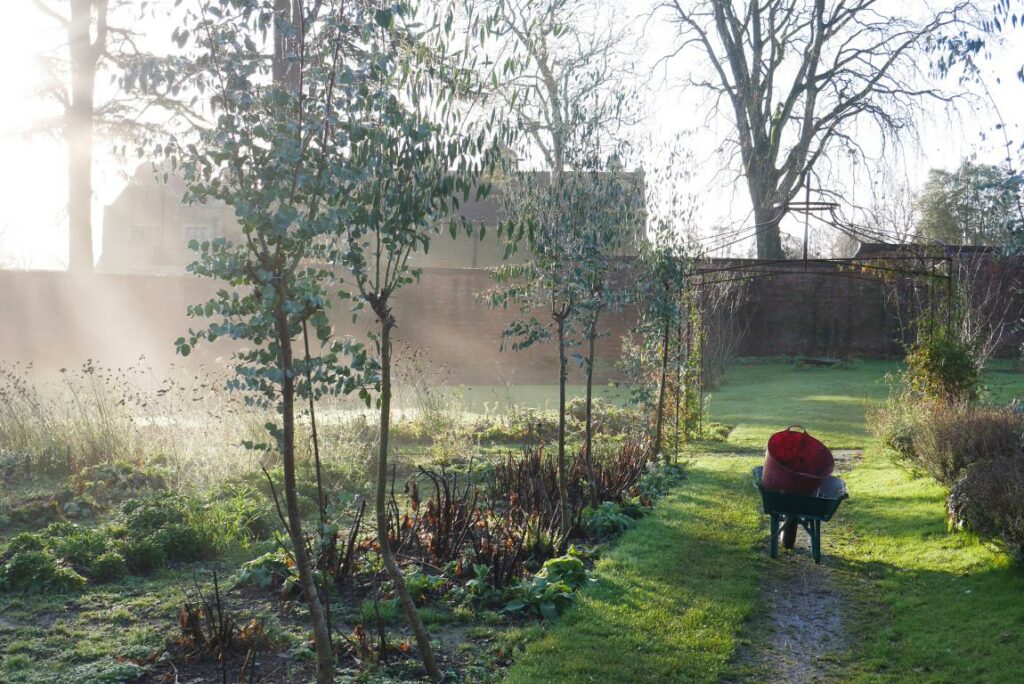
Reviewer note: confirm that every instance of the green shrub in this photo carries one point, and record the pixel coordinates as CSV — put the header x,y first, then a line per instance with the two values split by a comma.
x,y
420,584
109,566
243,511
606,520
659,480
480,589
274,570
151,513
268,570
552,590
390,612
108,671
26,541
142,554
38,571
942,367
79,546
179,542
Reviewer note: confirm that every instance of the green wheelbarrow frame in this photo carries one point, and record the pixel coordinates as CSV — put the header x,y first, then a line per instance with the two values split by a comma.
x,y
807,511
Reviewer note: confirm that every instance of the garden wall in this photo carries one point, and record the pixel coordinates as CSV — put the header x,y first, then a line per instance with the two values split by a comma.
x,y
56,320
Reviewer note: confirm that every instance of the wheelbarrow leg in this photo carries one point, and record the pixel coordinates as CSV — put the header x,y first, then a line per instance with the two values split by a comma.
x,y
774,544
789,531
816,540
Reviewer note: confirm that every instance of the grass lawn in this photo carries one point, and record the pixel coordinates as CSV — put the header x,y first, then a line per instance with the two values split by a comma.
x,y
676,594
670,594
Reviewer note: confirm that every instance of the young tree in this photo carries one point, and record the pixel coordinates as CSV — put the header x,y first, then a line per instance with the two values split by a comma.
x,y
418,153
801,80
610,209
278,149
571,104
664,311
549,281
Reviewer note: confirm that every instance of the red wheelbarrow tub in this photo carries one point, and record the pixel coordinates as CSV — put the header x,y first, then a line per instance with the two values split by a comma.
x,y
795,462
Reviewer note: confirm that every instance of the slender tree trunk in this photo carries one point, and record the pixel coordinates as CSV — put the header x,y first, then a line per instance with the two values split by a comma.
x,y
321,501
659,419
79,136
324,652
680,393
387,322
563,487
589,431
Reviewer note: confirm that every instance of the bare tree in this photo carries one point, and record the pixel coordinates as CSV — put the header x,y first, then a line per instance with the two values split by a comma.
x,y
99,41
986,299
800,78
892,215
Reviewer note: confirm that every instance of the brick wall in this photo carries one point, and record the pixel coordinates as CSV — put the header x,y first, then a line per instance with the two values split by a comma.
x,y
56,320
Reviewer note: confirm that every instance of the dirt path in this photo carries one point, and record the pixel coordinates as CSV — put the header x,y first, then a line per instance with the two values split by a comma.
x,y
799,633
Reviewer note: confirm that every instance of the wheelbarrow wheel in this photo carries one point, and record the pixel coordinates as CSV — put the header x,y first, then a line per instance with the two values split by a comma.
x,y
789,532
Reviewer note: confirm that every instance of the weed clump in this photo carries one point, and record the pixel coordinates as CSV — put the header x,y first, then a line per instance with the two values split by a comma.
x,y
35,570
109,566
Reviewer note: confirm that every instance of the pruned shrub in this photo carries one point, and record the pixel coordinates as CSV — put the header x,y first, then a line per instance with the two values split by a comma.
x,y
988,500
108,483
947,438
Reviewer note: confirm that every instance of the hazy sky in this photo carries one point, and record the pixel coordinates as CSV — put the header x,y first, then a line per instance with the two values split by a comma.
x,y
33,185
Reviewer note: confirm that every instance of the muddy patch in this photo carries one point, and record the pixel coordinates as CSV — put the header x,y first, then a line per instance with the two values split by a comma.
x,y
799,633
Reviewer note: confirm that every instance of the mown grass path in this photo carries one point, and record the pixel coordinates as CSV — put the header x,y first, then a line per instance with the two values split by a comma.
x,y
670,596
680,596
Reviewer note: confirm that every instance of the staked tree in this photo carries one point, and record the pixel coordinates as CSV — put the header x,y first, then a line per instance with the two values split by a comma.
x,y
610,208
569,99
418,148
804,82
276,151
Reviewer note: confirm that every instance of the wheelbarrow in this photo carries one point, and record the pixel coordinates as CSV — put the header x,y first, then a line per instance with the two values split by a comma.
x,y
807,511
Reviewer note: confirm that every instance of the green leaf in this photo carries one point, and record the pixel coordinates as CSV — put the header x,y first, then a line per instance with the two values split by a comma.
x,y
384,18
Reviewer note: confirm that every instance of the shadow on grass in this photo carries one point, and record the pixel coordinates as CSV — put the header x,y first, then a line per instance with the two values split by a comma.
x,y
932,625
670,596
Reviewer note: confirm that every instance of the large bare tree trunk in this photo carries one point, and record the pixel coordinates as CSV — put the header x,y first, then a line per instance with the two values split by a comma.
x,y
387,323
769,239
324,652
79,129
